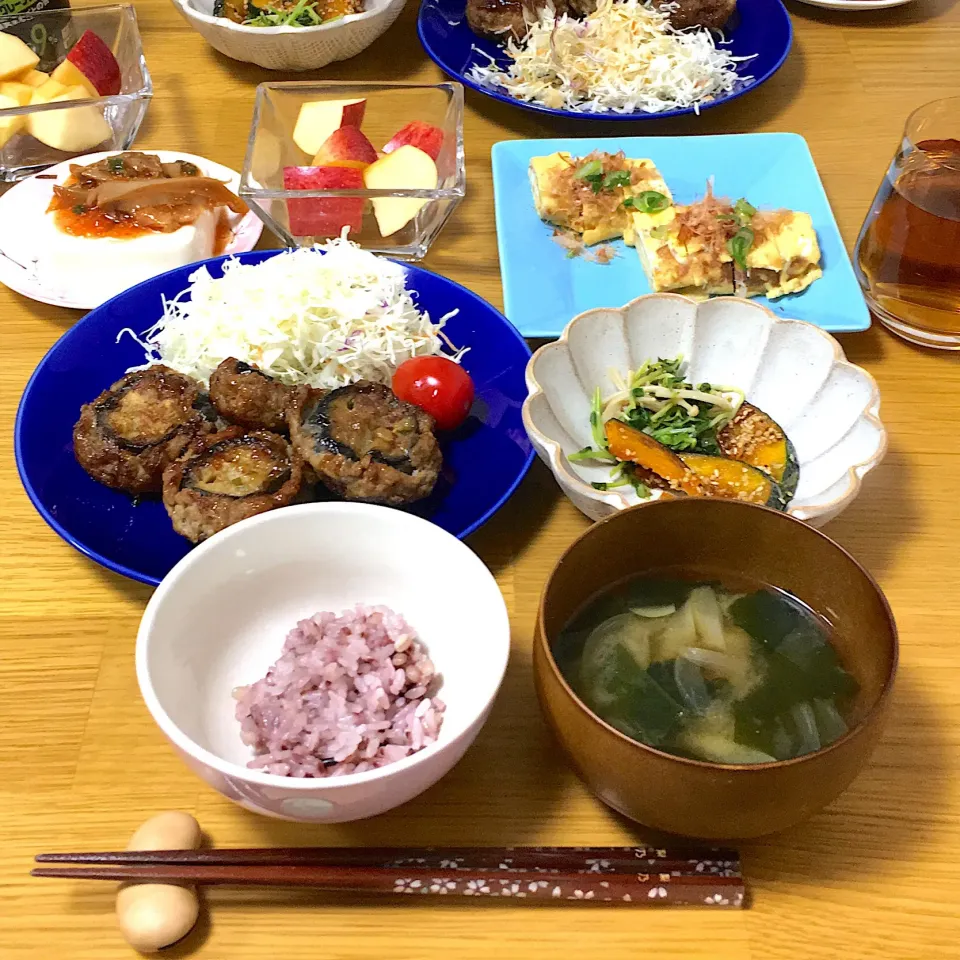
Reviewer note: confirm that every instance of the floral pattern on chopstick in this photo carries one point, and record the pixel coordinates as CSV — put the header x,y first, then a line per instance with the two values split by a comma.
x,y
666,889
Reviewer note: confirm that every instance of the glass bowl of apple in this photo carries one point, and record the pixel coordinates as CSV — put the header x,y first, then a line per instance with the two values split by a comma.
x,y
381,162
71,82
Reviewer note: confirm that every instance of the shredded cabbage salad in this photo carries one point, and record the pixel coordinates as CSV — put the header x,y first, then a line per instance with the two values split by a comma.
x,y
623,58
321,316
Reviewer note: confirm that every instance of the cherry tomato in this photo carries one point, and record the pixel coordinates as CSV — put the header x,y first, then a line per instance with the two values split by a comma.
x,y
439,386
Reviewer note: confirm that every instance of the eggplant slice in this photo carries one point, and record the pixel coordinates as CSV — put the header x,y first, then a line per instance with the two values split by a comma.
x,y
244,394
228,476
365,444
131,432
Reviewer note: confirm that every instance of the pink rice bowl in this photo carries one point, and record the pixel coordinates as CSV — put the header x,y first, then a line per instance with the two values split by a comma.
x,y
349,693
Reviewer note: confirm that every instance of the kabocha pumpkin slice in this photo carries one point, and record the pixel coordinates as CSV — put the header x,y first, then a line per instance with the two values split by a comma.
x,y
734,480
756,438
633,446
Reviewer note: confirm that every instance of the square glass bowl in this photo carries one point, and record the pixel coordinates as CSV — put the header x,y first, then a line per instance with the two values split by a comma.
x,y
389,107
51,34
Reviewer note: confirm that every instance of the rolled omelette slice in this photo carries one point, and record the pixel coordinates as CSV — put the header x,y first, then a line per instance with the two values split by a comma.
x,y
784,257
561,199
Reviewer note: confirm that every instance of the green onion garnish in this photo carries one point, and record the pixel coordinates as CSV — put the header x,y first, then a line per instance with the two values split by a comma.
x,y
738,246
650,201
588,171
619,178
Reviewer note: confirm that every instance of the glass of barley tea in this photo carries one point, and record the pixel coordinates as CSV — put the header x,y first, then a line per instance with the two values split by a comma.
x,y
908,252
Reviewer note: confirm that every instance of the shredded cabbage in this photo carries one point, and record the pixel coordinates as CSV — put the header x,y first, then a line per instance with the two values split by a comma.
x,y
322,316
623,58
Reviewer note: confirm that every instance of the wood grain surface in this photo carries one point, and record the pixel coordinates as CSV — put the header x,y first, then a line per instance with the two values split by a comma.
x,y
875,875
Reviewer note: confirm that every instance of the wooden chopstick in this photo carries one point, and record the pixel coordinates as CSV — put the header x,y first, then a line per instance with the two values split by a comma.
x,y
661,889
628,875
591,859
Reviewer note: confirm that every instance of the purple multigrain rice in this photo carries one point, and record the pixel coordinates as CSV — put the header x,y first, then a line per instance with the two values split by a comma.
x,y
355,689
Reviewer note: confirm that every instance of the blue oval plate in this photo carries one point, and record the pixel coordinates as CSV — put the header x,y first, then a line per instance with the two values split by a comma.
x,y
484,460
759,29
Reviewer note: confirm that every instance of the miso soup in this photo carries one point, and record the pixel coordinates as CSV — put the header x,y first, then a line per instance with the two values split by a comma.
x,y
704,672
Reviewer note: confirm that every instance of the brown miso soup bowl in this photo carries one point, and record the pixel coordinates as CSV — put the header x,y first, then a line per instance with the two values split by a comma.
x,y
717,540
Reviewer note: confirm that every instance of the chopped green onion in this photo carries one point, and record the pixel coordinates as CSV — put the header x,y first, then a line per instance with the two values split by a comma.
x,y
79,208
744,211
650,201
619,178
115,164
739,245
588,171
661,232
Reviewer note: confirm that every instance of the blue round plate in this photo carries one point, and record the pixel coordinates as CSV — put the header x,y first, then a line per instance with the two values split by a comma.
x,y
484,460
760,27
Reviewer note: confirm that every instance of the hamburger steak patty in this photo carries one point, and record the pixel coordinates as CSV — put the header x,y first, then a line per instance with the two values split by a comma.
x,y
244,394
228,476
127,436
365,444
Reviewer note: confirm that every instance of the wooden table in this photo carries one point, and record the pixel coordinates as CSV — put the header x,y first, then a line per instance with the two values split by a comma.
x,y
875,875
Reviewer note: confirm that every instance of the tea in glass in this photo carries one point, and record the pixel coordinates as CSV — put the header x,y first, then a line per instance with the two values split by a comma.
x,y
908,252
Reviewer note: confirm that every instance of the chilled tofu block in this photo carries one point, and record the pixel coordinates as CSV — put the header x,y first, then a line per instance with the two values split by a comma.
x,y
105,266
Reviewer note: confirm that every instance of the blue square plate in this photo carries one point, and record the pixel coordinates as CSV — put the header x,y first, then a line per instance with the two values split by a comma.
x,y
543,289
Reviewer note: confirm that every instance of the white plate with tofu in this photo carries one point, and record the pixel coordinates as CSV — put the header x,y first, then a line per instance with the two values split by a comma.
x,y
40,260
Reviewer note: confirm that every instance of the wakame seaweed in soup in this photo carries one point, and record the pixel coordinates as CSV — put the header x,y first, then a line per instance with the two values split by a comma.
x,y
700,671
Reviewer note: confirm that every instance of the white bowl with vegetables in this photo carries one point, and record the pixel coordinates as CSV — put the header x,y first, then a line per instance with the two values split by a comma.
x,y
668,397
289,35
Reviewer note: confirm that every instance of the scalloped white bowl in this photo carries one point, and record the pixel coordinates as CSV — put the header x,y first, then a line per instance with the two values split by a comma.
x,y
292,48
794,371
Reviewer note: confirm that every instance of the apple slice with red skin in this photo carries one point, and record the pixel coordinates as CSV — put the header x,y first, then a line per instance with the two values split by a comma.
x,y
70,75
346,147
407,168
94,59
317,119
423,136
324,216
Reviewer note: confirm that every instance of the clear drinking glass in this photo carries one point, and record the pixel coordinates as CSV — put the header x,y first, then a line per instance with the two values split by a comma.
x,y
298,216
908,252
52,33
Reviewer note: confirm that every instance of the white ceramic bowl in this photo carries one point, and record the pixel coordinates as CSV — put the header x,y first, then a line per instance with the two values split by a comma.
x,y
219,619
793,370
292,48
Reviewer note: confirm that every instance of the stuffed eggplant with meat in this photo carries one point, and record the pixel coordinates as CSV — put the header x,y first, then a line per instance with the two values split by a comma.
x,y
127,436
242,393
229,476
365,444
